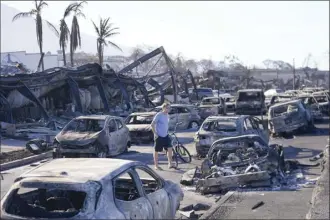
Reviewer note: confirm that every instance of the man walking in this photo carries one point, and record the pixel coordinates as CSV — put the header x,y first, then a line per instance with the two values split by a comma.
x,y
159,126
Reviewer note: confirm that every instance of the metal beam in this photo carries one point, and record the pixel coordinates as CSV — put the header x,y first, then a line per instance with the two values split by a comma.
x,y
26,92
74,88
100,87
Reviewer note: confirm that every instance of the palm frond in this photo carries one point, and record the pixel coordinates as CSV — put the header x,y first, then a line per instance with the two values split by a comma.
x,y
80,14
96,28
23,15
115,45
53,28
69,9
41,5
111,34
64,33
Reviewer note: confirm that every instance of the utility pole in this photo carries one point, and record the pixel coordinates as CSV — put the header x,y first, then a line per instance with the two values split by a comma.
x,y
294,76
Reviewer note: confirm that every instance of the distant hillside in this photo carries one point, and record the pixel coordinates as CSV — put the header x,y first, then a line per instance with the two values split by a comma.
x,y
21,36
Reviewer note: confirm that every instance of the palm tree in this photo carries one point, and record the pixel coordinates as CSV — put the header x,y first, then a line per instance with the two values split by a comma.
x,y
104,31
36,14
64,30
75,39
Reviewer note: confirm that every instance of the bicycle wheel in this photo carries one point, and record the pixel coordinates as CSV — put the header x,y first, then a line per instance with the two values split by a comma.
x,y
183,153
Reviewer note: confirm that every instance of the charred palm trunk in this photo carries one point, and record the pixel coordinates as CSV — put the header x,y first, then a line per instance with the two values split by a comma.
x,y
71,54
63,51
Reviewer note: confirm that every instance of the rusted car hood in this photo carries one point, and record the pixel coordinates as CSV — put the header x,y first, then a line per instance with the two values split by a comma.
x,y
77,138
137,127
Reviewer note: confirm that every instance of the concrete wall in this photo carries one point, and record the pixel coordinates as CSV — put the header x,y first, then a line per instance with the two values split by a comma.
x,y
30,60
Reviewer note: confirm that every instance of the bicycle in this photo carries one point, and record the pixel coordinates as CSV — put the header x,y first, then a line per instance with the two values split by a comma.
x,y
179,151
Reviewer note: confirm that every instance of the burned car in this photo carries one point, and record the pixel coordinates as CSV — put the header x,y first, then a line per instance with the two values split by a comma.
x,y
230,103
217,127
92,135
288,117
186,115
250,102
139,126
91,188
317,104
212,106
278,98
245,160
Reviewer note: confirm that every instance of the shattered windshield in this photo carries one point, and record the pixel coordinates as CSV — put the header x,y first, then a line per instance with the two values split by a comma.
x,y
214,101
249,96
85,125
145,120
220,125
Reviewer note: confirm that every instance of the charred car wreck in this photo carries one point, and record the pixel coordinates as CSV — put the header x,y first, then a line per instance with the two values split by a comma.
x,y
289,116
139,125
91,189
242,161
93,135
250,102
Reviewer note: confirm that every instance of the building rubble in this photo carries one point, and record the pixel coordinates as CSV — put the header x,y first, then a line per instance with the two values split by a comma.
x,y
242,162
61,94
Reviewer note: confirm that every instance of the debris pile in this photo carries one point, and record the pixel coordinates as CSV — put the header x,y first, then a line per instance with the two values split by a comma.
x,y
243,162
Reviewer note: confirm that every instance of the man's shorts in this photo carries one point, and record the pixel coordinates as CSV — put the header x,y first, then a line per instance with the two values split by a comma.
x,y
162,143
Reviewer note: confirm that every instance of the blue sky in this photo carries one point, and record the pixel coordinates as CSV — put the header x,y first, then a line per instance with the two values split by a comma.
x,y
253,31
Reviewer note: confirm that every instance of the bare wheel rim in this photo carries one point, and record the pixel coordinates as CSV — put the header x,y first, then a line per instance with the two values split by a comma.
x,y
194,124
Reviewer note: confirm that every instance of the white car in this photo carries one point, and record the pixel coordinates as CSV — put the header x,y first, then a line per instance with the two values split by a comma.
x,y
91,188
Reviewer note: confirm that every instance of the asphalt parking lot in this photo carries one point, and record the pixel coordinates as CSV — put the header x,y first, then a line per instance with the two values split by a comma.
x,y
300,147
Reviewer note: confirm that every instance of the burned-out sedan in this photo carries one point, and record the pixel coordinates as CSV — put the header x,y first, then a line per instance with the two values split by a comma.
x,y
212,106
288,117
139,126
318,105
217,127
92,135
91,188
186,115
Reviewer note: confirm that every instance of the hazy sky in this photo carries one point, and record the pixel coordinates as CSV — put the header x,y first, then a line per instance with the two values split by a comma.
x,y
253,31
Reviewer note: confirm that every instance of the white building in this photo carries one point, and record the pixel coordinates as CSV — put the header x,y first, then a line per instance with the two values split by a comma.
x,y
30,60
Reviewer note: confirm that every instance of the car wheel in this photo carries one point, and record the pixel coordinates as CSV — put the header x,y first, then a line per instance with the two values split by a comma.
x,y
128,145
102,151
193,124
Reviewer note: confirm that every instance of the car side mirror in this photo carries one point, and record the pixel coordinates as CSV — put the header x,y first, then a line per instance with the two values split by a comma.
x,y
111,129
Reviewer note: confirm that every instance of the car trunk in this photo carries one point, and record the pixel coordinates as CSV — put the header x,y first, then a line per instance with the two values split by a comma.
x,y
51,197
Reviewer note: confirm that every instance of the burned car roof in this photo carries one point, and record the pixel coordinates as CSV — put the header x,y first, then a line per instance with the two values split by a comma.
x,y
214,118
250,90
98,117
143,113
81,169
285,103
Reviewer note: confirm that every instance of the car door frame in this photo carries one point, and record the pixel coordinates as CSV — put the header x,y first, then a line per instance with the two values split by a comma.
x,y
158,206
173,118
121,133
142,199
247,131
112,139
264,133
